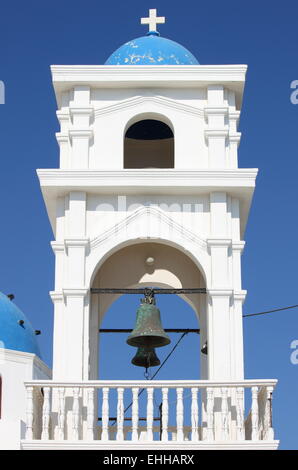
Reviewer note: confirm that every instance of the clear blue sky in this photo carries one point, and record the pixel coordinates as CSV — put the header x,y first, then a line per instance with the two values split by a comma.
x,y
34,35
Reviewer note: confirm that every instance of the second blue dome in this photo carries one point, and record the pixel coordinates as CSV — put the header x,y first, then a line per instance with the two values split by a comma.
x,y
152,50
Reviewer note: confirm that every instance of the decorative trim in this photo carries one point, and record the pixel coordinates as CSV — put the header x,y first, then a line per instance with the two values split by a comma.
x,y
156,445
240,296
159,100
62,115
166,178
224,242
148,211
74,292
86,111
220,292
76,242
234,115
215,110
57,247
62,137
216,133
56,296
235,137
238,246
80,133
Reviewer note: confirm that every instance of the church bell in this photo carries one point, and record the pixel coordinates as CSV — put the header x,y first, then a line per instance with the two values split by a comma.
x,y
145,357
148,332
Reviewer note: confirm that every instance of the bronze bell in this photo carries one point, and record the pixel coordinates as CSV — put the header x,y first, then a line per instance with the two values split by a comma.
x,y
145,357
148,331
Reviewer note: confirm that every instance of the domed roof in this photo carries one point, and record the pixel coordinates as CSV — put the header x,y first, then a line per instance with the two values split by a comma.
x,y
152,50
15,330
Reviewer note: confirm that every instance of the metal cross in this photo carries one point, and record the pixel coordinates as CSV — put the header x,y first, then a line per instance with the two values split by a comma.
x,y
153,20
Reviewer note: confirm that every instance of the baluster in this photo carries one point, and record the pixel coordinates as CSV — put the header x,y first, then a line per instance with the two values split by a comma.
x,y
29,414
105,414
255,415
194,415
45,435
75,413
150,391
240,413
135,414
269,432
61,413
90,413
165,415
179,414
224,413
210,415
120,415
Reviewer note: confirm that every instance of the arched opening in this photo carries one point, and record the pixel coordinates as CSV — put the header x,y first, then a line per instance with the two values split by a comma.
x,y
129,267
144,264
149,143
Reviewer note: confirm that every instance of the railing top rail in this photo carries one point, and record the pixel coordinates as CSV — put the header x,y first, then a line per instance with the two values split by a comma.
x,y
153,383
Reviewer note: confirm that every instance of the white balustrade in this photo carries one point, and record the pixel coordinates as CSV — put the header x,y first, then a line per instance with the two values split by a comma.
x,y
67,411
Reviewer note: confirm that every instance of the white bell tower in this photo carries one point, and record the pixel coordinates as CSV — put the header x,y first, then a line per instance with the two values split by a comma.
x,y
149,168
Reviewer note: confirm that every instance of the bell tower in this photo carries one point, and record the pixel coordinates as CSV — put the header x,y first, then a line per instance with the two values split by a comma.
x,y
149,193
148,157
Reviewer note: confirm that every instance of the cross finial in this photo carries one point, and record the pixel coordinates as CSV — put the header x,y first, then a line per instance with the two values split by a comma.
x,y
153,20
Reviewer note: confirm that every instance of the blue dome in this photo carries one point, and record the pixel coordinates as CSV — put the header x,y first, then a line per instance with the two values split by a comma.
x,y
151,50
13,335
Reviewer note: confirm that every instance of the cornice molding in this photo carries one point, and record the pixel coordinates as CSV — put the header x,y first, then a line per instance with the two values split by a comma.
x,y
68,178
80,133
224,242
234,115
83,111
74,292
56,296
75,242
220,292
238,246
57,247
216,110
216,133
235,137
62,115
62,137
119,73
240,296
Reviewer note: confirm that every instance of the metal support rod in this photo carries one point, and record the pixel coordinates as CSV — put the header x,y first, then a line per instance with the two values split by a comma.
x,y
167,330
145,290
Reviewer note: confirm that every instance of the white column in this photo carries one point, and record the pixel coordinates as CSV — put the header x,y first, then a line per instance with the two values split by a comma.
x,y
74,311
80,134
217,131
